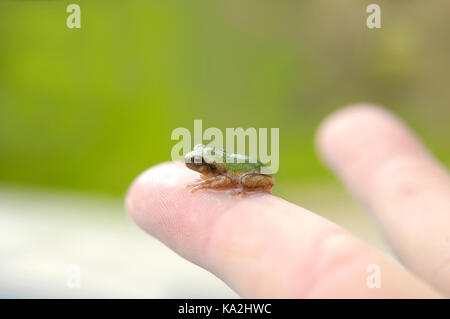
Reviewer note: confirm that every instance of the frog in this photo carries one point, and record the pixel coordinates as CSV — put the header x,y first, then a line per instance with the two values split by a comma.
x,y
221,170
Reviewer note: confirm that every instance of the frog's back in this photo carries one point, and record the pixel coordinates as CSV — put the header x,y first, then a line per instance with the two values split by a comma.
x,y
240,164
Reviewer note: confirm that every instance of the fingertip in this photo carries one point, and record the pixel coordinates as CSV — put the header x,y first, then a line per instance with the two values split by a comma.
x,y
152,196
143,186
160,203
355,121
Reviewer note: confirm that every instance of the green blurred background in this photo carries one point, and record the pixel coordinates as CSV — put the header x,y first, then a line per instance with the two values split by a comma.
x,y
89,109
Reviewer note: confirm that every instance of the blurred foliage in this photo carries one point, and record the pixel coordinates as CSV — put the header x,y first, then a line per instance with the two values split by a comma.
x,y
91,108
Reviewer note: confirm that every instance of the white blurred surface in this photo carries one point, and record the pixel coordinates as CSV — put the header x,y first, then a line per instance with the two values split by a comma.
x,y
41,234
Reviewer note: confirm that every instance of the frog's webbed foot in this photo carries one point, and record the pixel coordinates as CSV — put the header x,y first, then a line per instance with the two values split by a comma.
x,y
255,190
213,182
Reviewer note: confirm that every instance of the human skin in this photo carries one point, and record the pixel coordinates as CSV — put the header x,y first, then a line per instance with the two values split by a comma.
x,y
265,247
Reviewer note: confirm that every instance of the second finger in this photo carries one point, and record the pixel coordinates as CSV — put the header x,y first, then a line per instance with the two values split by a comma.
x,y
386,166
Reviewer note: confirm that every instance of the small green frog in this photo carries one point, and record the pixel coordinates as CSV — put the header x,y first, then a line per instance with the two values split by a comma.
x,y
219,169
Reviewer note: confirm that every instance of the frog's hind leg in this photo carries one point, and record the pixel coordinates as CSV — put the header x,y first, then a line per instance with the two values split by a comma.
x,y
255,190
254,182
213,182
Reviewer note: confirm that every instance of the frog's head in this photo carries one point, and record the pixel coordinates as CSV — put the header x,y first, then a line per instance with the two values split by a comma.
x,y
196,160
202,159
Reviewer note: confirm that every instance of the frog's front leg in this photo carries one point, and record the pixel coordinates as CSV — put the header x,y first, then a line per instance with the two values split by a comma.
x,y
212,182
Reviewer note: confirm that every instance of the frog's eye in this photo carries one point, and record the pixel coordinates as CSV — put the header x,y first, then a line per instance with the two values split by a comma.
x,y
194,161
197,159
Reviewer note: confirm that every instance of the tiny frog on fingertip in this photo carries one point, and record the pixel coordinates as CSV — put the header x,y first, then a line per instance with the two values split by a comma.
x,y
221,170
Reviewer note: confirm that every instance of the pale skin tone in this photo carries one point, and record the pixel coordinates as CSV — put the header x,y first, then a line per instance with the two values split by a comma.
x,y
264,246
